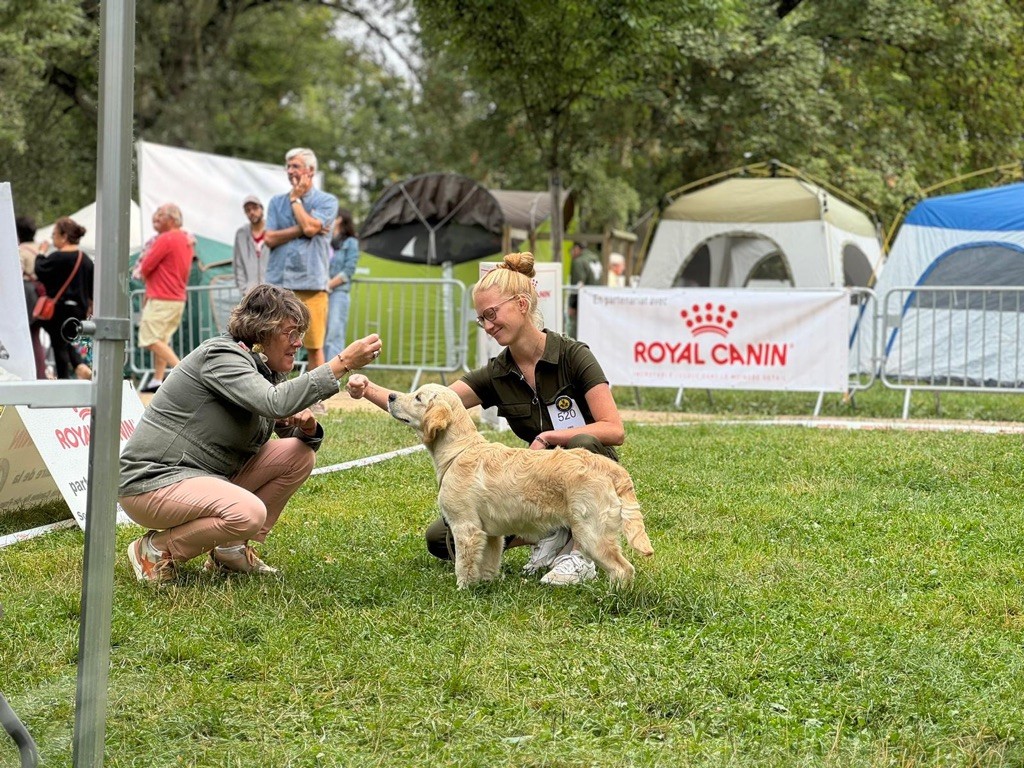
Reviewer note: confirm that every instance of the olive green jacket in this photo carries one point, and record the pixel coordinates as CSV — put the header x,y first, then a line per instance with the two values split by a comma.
x,y
213,413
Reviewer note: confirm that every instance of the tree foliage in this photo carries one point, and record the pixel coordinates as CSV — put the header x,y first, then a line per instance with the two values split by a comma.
x,y
626,99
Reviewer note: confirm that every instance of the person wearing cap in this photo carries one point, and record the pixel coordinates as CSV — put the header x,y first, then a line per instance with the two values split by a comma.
x,y
251,250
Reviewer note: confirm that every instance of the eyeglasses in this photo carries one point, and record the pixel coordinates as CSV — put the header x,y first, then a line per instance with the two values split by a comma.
x,y
490,314
294,335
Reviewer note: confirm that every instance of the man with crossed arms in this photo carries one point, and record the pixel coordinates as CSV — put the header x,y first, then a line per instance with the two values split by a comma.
x,y
299,226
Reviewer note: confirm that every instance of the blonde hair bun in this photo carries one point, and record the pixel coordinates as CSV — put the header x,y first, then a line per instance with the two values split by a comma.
x,y
521,263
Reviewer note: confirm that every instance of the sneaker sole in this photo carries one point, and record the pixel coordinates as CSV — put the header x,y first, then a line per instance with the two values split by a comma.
x,y
567,583
133,558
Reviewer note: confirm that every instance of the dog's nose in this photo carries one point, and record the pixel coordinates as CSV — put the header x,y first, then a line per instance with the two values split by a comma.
x,y
392,397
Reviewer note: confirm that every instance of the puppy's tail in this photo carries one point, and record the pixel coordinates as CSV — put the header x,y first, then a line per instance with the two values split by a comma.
x,y
632,519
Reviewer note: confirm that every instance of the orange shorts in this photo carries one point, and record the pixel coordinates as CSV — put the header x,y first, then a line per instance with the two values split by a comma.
x,y
316,303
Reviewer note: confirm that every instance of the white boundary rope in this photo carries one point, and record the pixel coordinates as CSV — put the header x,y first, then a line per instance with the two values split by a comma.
x,y
31,533
14,538
367,461
895,426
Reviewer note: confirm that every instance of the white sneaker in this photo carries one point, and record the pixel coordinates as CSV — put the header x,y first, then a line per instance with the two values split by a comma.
x,y
544,552
573,568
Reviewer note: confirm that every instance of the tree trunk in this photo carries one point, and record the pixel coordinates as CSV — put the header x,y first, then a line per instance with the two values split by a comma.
x,y
557,225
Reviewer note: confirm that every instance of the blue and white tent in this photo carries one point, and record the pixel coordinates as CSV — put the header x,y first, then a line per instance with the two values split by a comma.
x,y
973,239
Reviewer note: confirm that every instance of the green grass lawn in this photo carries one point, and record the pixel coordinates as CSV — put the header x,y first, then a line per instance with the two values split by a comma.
x,y
817,598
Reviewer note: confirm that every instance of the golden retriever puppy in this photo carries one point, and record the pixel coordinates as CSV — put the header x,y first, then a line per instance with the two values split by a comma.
x,y
488,491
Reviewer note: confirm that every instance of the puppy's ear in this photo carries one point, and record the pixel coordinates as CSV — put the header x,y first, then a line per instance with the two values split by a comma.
x,y
436,419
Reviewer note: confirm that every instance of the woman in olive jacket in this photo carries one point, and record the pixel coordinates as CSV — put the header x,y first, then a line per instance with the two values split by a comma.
x,y
201,470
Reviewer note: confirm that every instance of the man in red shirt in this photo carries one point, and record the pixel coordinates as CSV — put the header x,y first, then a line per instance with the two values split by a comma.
x,y
165,267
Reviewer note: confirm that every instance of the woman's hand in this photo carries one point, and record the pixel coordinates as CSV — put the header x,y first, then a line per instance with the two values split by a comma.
x,y
357,354
304,420
356,386
362,352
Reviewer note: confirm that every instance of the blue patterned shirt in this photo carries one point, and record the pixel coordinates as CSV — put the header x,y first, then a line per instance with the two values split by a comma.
x,y
301,264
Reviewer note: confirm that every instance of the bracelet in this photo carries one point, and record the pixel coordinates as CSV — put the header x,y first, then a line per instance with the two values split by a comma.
x,y
542,441
344,368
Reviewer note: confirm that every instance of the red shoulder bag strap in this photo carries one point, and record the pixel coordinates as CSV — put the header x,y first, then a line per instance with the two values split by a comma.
x,y
71,277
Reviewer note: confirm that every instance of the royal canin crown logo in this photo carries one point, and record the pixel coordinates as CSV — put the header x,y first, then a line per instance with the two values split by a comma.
x,y
709,319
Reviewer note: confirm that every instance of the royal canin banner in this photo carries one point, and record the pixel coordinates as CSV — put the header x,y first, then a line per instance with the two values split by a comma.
x,y
715,338
44,454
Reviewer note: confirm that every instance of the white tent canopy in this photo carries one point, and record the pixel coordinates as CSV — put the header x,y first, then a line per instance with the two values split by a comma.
x,y
758,231
87,218
969,239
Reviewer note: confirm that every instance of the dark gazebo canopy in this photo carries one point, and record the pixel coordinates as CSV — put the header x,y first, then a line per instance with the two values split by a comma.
x,y
433,219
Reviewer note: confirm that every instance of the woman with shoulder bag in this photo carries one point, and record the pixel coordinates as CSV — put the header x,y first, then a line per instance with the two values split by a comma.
x,y
67,275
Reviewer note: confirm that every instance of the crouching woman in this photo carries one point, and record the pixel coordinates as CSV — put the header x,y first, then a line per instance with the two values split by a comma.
x,y
200,470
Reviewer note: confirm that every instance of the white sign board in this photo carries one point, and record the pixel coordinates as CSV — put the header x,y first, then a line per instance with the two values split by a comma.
x,y
714,338
548,282
15,345
25,481
61,439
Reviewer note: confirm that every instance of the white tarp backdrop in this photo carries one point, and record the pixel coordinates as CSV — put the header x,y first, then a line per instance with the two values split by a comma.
x,y
15,347
718,338
208,188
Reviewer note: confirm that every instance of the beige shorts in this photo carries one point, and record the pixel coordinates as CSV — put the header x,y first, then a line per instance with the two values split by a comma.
x,y
160,319
316,303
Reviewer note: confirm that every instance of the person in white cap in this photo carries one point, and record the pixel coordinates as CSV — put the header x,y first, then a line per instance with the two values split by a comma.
x,y
251,250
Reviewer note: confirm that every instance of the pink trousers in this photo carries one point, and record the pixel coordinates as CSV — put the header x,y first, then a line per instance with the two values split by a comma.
x,y
202,512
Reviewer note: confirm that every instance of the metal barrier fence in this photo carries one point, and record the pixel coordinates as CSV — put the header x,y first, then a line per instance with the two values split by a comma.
x,y
952,338
207,309
865,331
423,323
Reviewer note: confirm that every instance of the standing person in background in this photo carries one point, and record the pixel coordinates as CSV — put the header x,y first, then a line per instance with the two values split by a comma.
x,y
341,270
67,266
251,251
617,271
585,270
28,251
165,267
299,226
